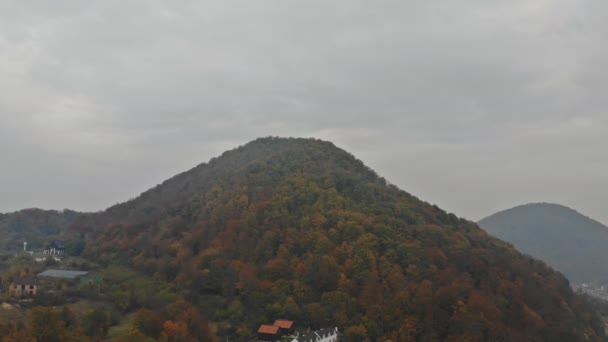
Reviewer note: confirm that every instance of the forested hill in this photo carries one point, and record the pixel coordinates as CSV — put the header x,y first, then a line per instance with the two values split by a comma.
x,y
300,229
568,241
35,226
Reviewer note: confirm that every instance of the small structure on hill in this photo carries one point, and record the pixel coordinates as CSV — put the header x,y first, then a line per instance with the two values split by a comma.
x,y
321,335
269,333
285,326
64,274
41,257
56,247
24,287
91,280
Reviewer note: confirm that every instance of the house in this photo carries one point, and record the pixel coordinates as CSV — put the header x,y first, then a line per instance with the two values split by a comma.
x,y
24,287
285,326
56,247
269,333
322,335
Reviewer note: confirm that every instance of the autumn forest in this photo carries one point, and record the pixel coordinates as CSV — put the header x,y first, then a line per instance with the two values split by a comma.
x,y
288,228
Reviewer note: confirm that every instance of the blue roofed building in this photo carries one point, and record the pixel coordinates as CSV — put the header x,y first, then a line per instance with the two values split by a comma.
x,y
55,247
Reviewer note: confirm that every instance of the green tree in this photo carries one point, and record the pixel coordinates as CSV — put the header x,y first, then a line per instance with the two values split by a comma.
x,y
75,248
96,323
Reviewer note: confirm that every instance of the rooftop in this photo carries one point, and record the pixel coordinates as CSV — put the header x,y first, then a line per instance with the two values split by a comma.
x,y
62,274
25,281
268,329
56,244
283,323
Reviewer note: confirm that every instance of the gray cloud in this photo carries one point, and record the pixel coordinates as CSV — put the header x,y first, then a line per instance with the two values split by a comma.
x,y
475,106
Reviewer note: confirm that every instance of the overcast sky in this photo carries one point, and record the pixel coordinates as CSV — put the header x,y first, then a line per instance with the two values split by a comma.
x,y
476,106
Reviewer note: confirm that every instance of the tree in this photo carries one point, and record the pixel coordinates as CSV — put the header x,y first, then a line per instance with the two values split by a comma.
x,y
96,323
356,333
175,331
46,325
75,248
67,316
149,322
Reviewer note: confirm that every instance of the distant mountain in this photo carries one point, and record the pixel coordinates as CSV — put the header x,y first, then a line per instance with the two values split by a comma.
x,y
566,240
300,229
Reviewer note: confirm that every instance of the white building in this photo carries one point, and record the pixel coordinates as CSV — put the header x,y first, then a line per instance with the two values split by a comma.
x,y
322,335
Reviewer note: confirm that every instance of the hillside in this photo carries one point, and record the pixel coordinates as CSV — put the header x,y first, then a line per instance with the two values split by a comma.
x,y
300,229
35,226
566,240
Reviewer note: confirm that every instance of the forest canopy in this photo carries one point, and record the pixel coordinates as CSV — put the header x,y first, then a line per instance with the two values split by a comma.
x,y
300,229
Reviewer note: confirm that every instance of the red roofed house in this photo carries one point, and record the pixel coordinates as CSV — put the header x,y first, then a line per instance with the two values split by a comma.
x,y
269,333
285,326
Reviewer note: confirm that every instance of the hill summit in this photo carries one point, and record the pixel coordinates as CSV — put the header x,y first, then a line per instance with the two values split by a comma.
x,y
565,239
299,229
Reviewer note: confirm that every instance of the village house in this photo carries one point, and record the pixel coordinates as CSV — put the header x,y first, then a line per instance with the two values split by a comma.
x,y
24,287
269,333
285,326
56,247
322,335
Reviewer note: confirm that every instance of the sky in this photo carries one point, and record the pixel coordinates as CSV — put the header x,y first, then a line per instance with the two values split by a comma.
x,y
476,106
